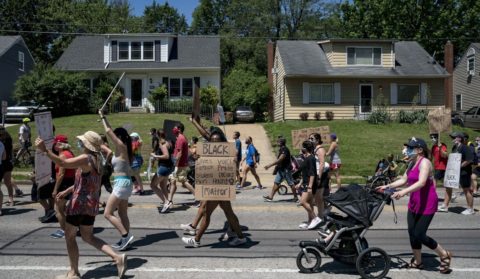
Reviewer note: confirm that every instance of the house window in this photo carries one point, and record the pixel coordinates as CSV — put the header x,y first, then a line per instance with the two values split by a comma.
x,y
322,93
187,87
21,61
458,102
471,61
135,51
123,51
364,56
174,87
408,94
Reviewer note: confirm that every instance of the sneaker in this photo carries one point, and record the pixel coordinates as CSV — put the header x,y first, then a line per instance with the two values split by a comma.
x,y
116,245
315,222
188,229
58,234
454,197
125,242
239,187
237,241
303,226
468,211
259,187
18,193
49,217
190,241
442,208
166,207
267,199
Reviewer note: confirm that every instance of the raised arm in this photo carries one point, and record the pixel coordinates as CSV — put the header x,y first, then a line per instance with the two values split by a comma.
x,y
70,163
108,130
200,128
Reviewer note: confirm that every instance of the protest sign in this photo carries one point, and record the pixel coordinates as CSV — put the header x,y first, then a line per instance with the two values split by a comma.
x,y
43,166
215,171
439,120
452,173
299,136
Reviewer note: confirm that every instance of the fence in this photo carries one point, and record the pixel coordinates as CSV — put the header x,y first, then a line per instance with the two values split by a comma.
x,y
171,106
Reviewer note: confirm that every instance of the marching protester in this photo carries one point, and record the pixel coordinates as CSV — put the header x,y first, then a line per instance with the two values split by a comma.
x,y
309,185
107,154
122,183
207,207
250,164
137,163
24,137
459,146
238,157
7,164
65,177
440,157
282,171
163,156
322,178
335,161
422,204
84,203
476,168
3,155
180,164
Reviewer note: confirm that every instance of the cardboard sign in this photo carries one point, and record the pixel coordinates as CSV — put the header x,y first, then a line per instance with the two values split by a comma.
x,y
216,149
452,173
43,165
299,136
215,171
439,120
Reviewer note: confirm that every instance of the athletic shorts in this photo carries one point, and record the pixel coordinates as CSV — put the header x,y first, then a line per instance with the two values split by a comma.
x,y
45,192
164,171
7,166
122,187
181,175
284,175
66,183
439,174
465,180
80,220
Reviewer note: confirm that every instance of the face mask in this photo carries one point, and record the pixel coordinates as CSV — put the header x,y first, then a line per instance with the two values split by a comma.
x,y
80,145
404,151
434,140
411,152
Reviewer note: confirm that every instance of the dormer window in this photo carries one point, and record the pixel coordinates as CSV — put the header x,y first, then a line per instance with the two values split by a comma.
x,y
21,61
471,62
135,50
364,56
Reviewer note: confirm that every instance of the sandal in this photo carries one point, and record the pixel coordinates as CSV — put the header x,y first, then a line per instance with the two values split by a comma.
x,y
445,263
413,265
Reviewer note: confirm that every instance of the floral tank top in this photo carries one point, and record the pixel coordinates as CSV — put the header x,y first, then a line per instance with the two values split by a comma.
x,y
86,192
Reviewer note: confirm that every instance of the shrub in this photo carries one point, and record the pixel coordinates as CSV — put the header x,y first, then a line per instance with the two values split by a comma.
x,y
209,95
266,116
303,116
158,94
317,115
379,117
415,117
329,115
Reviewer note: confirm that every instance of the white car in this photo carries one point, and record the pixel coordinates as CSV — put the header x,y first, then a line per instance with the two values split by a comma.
x,y
23,109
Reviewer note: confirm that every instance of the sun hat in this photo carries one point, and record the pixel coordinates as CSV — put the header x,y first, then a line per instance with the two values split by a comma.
x,y
91,140
26,119
417,142
60,138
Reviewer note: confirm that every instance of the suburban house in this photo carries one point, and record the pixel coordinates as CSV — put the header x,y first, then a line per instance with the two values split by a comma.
x,y
15,61
349,76
466,80
183,63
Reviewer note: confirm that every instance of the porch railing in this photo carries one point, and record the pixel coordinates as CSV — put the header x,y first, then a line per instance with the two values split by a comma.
x,y
170,106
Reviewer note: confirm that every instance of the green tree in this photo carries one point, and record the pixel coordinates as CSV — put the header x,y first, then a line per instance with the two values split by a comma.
x,y
164,19
209,17
209,95
65,92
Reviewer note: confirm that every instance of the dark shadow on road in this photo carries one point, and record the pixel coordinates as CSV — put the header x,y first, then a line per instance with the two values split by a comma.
x,y
14,211
110,270
224,244
153,238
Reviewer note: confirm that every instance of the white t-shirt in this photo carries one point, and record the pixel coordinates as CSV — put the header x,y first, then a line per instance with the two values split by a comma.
x,y
24,132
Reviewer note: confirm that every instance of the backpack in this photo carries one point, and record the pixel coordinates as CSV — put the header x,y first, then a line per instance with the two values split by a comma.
x,y
294,163
257,156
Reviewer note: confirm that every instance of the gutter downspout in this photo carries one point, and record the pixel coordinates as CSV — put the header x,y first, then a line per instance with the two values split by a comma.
x,y
283,100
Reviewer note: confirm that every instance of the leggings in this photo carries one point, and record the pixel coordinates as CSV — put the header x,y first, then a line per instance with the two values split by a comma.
x,y
417,230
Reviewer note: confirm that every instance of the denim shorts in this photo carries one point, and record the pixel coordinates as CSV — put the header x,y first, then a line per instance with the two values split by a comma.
x,y
122,187
284,175
164,171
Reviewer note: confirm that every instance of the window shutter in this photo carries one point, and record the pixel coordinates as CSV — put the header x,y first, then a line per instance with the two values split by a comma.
x,y
114,51
157,51
423,93
393,94
165,82
338,93
306,93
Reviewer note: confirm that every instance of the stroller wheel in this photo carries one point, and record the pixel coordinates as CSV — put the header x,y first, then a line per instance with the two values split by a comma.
x,y
309,260
283,190
373,263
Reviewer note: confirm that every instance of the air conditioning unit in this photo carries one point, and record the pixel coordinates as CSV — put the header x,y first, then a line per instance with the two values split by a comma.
x,y
471,73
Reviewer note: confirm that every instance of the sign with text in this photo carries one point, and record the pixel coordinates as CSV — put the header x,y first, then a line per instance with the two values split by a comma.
x,y
43,165
440,120
299,136
215,171
452,173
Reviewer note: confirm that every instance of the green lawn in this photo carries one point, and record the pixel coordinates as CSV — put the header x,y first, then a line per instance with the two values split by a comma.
x,y
363,144
140,123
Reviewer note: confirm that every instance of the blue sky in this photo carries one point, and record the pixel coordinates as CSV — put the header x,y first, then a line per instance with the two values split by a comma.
x,y
184,7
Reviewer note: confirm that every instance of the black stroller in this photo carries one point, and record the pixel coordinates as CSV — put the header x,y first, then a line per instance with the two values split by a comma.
x,y
343,235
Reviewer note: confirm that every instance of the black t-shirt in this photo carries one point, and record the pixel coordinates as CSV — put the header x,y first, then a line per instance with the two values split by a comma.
x,y
467,155
309,168
7,142
285,163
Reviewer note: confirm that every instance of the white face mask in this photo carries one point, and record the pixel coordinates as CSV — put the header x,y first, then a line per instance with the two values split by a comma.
x,y
411,152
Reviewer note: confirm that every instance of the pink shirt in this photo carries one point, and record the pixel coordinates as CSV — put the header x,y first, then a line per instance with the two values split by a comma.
x,y
424,200
181,145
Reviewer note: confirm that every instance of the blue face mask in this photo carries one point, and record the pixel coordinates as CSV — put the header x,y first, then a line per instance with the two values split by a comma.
x,y
80,145
411,152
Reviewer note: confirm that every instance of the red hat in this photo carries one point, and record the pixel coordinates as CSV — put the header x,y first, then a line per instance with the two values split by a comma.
x,y
60,138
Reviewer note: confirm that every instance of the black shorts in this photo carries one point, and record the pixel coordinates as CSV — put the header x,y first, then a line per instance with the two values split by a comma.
x,y
45,192
66,183
439,174
2,172
80,220
465,180
7,166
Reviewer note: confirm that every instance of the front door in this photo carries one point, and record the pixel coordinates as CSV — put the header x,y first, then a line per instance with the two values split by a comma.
x,y
366,98
136,88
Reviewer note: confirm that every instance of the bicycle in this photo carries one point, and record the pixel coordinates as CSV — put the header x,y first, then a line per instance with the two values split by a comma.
x,y
25,158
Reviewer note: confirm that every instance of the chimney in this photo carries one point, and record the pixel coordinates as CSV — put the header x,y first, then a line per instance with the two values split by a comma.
x,y
448,84
270,62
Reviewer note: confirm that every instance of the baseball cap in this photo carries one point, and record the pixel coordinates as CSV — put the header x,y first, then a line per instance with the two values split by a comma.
x,y
457,134
60,138
417,142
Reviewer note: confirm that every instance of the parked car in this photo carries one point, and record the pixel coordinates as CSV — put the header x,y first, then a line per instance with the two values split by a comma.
x,y
24,109
470,118
244,114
